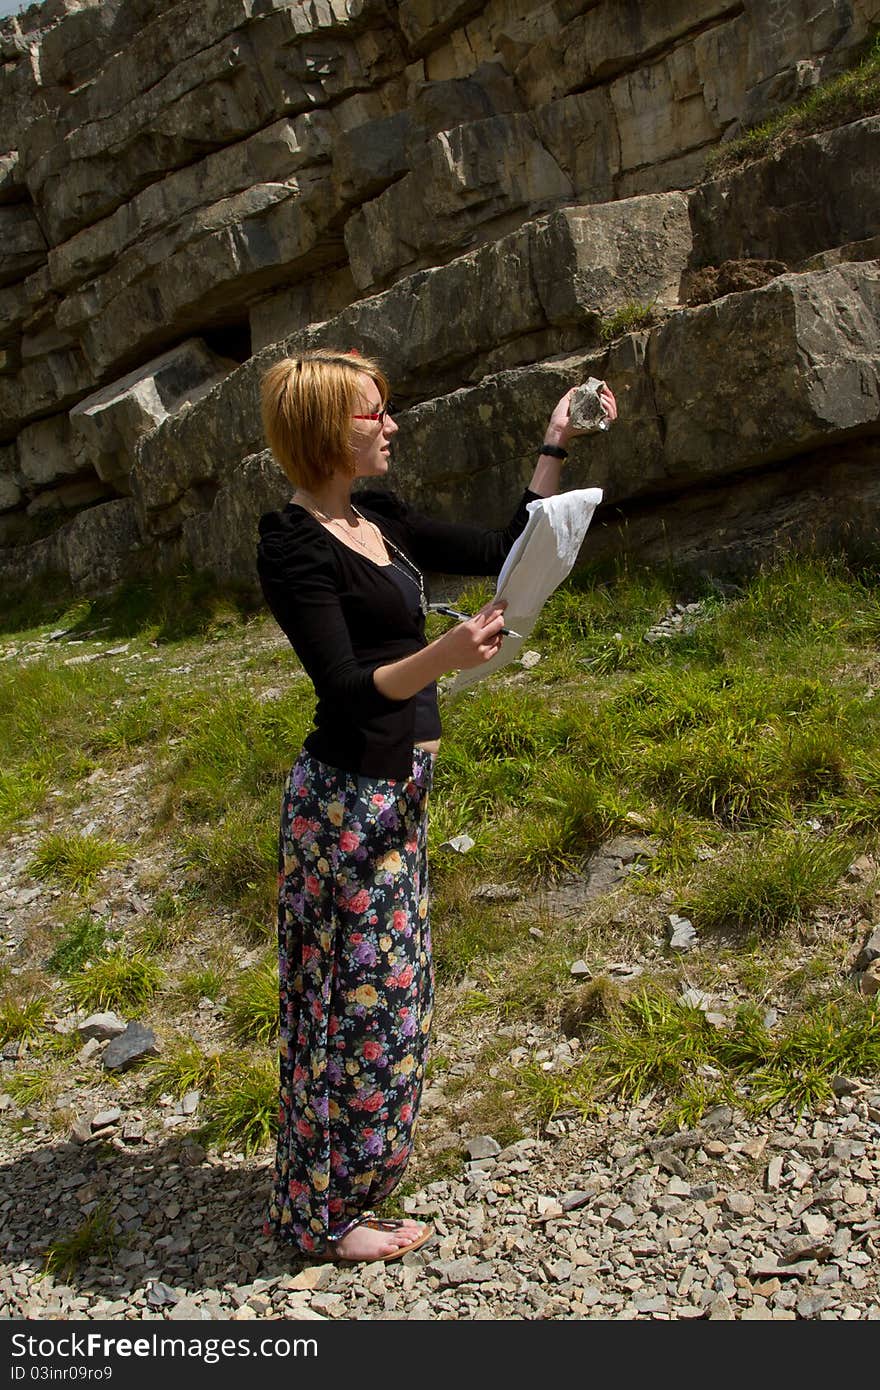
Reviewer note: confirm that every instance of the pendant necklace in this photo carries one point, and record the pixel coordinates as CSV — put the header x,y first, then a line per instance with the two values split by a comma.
x,y
412,572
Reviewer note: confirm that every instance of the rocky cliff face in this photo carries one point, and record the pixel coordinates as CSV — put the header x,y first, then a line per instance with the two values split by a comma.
x,y
470,191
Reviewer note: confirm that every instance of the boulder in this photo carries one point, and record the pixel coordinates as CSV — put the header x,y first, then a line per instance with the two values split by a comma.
x,y
425,21
564,270
107,424
22,244
820,192
467,176
757,377
46,453
202,270
288,311
270,156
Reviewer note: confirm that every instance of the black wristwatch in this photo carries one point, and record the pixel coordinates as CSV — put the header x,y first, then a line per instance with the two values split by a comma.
x,y
554,451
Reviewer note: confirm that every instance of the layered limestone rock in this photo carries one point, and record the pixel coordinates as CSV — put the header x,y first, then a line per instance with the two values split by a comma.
x,y
469,189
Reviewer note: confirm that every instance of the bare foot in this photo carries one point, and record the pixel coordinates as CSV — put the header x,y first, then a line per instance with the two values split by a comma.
x,y
365,1243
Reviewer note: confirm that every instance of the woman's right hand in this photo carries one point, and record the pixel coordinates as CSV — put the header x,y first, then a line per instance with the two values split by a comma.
x,y
479,639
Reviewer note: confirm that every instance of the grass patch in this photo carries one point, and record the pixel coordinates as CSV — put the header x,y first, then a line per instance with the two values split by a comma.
x,y
252,1008
766,883
80,942
653,1041
184,1068
31,1087
22,793
206,983
241,1112
628,319
846,97
21,1019
75,860
96,1238
122,980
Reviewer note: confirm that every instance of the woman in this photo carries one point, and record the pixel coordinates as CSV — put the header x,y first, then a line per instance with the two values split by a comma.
x,y
345,582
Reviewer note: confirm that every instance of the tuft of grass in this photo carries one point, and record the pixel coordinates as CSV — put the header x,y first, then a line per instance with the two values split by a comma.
x,y
122,980
766,883
22,1018
236,858
846,97
31,1087
206,983
75,860
81,941
589,1005
252,1007
570,813
96,1238
628,319
242,1110
465,930
184,1068
22,792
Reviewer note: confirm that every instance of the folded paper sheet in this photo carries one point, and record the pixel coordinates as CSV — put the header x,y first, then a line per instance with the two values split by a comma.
x,y
539,560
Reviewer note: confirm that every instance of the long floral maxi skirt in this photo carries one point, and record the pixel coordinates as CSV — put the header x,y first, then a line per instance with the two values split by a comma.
x,y
356,992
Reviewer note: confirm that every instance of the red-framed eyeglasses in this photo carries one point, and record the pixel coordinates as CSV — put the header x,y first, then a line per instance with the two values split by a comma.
x,y
377,414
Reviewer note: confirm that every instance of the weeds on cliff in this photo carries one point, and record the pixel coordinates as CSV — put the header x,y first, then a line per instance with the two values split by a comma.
x,y
252,1008
846,97
628,319
123,981
241,1112
96,1238
21,1019
75,860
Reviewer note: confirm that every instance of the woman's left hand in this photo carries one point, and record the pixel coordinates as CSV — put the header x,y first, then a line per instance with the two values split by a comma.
x,y
560,429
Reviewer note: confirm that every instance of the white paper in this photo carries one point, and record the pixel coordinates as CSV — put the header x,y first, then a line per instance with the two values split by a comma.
x,y
540,558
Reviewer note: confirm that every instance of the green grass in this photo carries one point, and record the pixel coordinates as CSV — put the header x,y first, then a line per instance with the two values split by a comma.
x,y
241,1112
21,1019
208,982
79,942
252,1008
75,860
846,97
727,745
184,1067
628,319
653,1042
122,980
766,883
31,1087
96,1238
22,792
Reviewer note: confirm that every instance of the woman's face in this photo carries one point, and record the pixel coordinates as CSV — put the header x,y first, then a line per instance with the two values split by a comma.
x,y
371,439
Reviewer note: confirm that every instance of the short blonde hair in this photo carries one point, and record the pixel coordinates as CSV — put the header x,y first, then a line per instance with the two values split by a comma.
x,y
307,405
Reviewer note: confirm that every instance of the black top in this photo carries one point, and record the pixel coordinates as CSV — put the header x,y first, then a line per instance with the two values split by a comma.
x,y
345,616
426,724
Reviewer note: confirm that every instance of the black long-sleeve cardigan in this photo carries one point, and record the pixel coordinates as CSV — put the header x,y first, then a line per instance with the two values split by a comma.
x,y
345,616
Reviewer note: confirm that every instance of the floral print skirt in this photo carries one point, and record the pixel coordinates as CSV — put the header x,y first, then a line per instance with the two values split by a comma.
x,y
356,993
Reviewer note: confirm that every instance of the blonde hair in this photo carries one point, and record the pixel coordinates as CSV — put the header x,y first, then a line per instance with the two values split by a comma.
x,y
307,406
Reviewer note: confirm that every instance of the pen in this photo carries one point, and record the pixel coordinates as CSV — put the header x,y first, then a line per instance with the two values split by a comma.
x,y
466,617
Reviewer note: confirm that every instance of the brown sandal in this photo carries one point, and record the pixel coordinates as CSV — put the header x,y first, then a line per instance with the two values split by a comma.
x,y
377,1223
